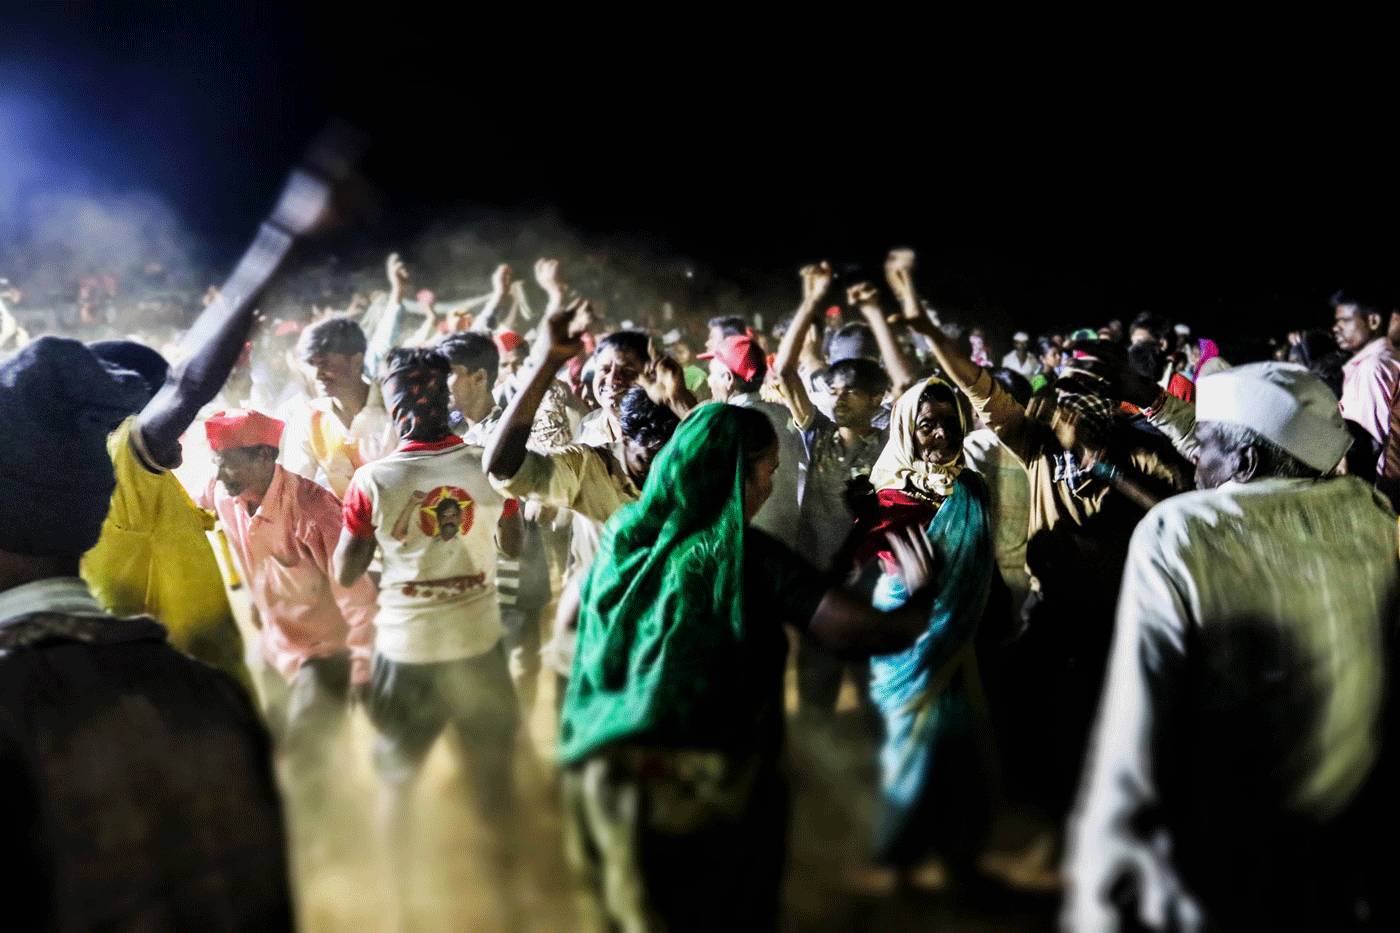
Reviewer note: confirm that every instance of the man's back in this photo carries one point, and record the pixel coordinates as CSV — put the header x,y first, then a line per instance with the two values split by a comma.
x,y
139,782
1243,713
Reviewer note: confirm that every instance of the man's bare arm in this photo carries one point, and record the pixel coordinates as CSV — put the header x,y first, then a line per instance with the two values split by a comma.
x,y
559,341
217,336
500,291
816,279
400,530
867,301
664,382
352,557
899,269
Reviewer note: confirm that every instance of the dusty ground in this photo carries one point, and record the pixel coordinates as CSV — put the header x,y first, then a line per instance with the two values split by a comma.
x,y
829,886
339,871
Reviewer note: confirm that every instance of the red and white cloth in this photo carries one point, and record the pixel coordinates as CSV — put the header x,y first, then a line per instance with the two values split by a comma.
x,y
434,514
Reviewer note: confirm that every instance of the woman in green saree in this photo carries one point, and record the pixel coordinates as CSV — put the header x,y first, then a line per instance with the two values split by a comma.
x,y
672,724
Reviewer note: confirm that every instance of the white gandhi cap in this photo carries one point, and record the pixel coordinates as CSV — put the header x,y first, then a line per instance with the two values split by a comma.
x,y
1020,336
1283,402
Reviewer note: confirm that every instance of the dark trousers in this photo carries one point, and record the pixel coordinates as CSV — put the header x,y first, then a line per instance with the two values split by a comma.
x,y
675,840
306,716
411,704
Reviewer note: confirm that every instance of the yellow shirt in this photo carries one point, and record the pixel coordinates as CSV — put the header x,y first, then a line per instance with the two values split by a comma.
x,y
153,559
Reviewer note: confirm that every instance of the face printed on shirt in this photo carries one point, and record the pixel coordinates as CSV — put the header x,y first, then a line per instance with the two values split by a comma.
x,y
447,512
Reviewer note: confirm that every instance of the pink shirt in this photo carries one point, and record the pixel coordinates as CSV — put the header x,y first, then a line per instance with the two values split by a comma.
x,y
285,549
1368,385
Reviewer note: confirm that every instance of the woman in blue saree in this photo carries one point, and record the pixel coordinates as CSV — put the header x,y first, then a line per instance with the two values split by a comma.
x,y
937,767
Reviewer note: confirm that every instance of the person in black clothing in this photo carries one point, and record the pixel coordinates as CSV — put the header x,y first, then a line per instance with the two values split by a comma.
x,y
139,782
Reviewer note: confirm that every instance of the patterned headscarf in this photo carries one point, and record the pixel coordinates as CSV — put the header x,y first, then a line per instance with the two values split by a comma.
x,y
415,392
899,466
1092,409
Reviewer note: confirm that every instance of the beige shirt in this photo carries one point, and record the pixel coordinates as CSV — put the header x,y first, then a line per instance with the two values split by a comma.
x,y
1264,608
590,481
1076,542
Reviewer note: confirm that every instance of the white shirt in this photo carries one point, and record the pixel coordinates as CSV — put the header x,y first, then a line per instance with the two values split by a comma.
x,y
1263,606
1028,369
437,596
316,441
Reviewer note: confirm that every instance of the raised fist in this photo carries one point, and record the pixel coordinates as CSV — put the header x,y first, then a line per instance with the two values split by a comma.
x,y
563,329
899,271
547,275
398,274
662,378
501,279
816,279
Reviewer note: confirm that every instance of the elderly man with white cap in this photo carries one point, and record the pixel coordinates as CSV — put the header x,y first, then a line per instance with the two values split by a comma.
x,y
1021,359
1234,779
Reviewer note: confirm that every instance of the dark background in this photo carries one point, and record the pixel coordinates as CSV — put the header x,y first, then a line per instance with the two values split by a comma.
x,y
1047,172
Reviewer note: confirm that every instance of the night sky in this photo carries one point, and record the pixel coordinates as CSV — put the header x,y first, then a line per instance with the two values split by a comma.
x,y
1055,179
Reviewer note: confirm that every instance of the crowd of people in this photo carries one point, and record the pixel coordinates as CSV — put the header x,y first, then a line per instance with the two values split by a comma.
x,y
1110,578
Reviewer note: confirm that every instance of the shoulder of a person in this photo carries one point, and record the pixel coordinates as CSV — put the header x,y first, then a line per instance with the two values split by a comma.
x,y
1168,526
306,495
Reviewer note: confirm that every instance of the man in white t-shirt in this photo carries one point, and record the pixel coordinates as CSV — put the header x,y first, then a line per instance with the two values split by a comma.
x,y
438,657
346,426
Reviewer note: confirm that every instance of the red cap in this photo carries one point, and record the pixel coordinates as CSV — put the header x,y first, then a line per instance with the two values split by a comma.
x,y
742,355
507,340
285,328
240,428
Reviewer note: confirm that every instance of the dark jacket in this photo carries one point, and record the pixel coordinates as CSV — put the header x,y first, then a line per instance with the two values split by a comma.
x,y
139,785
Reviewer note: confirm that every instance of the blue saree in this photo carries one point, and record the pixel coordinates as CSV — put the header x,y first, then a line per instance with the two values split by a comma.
x,y
933,768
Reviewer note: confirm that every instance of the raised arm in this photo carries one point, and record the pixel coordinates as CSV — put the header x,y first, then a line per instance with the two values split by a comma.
x,y
664,381
899,269
400,530
426,331
217,337
387,325
486,321
558,343
547,275
816,279
866,300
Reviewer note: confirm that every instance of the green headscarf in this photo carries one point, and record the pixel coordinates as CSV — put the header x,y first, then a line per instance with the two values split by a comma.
x,y
663,652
